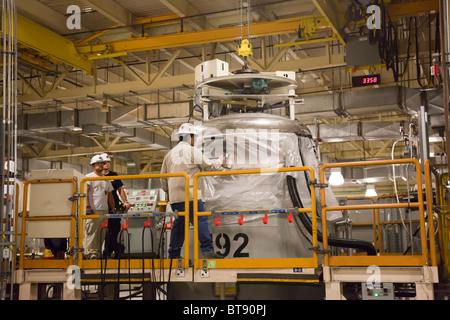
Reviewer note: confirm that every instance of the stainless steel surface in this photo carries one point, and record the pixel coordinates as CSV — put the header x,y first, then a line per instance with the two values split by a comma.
x,y
255,121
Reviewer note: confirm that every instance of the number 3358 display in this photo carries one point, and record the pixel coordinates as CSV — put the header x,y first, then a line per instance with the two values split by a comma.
x,y
224,245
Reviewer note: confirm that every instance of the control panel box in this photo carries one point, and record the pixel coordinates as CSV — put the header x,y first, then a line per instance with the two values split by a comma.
x,y
143,200
143,203
378,291
210,69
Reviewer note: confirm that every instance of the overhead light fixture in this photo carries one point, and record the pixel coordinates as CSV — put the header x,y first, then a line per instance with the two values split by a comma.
x,y
336,178
370,191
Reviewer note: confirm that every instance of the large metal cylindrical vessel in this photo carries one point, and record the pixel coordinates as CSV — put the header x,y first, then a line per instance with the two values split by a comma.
x,y
259,140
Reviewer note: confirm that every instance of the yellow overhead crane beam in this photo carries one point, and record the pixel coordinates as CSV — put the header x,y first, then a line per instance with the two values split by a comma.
x,y
334,14
81,55
412,8
47,42
183,39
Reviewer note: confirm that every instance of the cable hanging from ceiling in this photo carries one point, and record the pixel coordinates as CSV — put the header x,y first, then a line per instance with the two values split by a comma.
x,y
433,78
386,38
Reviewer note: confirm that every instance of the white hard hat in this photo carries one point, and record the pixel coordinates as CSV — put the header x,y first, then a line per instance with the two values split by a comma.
x,y
105,157
187,128
97,158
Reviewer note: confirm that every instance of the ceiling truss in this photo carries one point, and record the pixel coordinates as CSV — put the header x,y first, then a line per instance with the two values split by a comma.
x,y
131,63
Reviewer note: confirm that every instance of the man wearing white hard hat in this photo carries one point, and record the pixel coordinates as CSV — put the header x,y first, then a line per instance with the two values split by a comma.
x,y
99,196
184,157
111,243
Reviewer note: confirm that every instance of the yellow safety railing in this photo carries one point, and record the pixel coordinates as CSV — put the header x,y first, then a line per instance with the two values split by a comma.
x,y
41,263
380,260
441,206
254,263
429,197
380,223
134,263
374,223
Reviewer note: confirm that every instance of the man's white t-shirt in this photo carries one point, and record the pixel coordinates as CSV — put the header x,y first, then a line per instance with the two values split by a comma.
x,y
98,193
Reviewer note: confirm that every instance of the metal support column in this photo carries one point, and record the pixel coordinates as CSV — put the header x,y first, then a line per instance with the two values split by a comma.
x,y
423,128
8,147
445,43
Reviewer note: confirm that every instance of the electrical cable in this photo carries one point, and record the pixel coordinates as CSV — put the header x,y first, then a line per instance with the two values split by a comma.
x,y
161,253
418,67
129,263
102,274
408,53
431,79
417,230
52,286
336,242
354,14
192,111
143,252
168,281
386,39
129,260
437,49
394,178
161,257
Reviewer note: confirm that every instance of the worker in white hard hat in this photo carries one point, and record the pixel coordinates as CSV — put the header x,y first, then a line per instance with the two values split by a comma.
x,y
184,157
121,203
99,196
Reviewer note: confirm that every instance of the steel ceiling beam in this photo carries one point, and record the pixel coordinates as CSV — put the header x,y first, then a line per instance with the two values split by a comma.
x,y
260,29
401,10
335,16
167,82
49,43
112,11
184,8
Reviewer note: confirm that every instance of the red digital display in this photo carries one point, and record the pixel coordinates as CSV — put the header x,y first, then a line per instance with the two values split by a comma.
x,y
361,81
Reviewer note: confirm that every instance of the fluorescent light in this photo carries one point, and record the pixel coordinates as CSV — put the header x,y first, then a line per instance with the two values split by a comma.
x,y
370,191
336,178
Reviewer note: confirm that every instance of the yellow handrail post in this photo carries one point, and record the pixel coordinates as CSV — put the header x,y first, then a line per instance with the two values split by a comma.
x,y
423,232
428,189
83,215
24,213
16,220
313,213
423,260
25,217
186,222
443,179
380,233
324,217
195,208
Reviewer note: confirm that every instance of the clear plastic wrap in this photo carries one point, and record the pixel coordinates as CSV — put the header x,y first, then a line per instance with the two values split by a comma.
x,y
259,141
